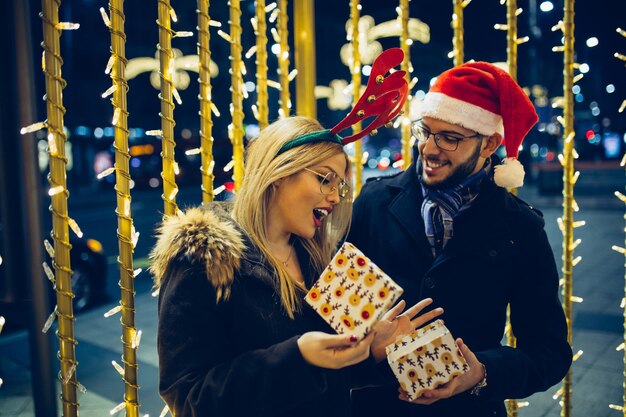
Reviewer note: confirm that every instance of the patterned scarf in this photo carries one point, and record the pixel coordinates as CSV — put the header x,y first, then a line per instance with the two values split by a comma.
x,y
442,206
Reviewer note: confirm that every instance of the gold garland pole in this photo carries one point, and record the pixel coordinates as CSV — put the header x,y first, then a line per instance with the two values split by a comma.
x,y
622,250
125,228
52,63
283,60
235,129
511,58
405,43
355,15
304,37
512,41
567,161
166,60
261,64
458,45
206,120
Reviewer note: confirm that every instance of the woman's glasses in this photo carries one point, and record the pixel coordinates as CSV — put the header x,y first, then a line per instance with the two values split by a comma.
x,y
331,182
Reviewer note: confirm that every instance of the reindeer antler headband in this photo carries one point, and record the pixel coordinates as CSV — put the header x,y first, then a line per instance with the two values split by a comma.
x,y
383,99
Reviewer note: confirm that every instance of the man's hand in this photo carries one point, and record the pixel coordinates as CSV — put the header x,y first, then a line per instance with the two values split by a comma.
x,y
457,385
393,324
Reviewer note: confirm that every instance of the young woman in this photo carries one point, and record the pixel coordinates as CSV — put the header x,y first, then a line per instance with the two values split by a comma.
x,y
235,337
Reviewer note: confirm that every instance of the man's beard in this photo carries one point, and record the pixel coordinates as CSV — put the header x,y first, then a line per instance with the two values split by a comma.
x,y
460,173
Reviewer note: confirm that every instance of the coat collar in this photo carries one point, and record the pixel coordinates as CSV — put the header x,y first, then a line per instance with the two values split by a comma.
x,y
482,219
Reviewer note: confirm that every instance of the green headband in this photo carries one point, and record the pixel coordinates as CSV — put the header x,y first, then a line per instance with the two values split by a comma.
x,y
313,137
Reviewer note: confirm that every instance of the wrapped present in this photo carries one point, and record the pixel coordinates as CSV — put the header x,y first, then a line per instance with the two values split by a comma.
x,y
425,359
352,293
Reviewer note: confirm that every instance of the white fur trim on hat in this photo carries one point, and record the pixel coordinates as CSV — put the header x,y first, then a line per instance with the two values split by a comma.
x,y
509,174
458,112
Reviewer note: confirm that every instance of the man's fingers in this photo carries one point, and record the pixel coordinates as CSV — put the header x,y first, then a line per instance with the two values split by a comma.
x,y
415,309
397,309
426,317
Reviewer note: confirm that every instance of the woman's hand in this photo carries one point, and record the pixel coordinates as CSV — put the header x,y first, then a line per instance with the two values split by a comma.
x,y
393,324
334,351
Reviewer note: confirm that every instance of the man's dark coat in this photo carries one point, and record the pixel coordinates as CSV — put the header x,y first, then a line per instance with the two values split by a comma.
x,y
499,255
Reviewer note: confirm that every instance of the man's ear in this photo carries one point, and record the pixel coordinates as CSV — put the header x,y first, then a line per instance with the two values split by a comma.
x,y
490,145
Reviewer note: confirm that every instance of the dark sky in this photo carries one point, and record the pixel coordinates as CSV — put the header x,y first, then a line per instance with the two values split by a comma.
x,y
86,52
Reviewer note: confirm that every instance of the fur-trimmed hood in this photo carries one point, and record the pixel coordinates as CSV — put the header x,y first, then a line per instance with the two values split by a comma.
x,y
203,236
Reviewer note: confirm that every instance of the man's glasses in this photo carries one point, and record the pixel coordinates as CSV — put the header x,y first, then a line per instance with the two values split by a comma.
x,y
331,182
443,141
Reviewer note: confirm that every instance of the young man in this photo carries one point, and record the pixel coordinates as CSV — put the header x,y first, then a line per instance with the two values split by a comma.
x,y
447,228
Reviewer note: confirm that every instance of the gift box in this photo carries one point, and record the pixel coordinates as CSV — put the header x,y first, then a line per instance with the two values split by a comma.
x,y
425,359
352,293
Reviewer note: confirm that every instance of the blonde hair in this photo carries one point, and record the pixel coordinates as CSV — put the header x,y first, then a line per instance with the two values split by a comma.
x,y
263,168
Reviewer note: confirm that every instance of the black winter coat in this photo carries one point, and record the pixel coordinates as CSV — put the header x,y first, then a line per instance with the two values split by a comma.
x,y
239,356
499,255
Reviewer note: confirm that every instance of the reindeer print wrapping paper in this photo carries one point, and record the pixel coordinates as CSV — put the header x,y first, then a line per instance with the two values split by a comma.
x,y
425,359
352,293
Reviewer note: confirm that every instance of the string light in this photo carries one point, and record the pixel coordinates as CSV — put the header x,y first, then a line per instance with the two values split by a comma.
x,y
2,322
113,311
137,272
70,372
33,128
105,173
48,271
155,132
52,145
74,226
105,17
67,26
49,321
136,339
118,368
164,411
117,408
194,151
55,190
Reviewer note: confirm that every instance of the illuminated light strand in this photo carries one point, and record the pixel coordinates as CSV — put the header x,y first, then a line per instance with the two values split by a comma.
x,y
236,130
194,151
355,36
164,411
182,34
225,36
155,132
458,42
406,66
137,272
166,60
569,154
283,58
2,323
261,109
56,190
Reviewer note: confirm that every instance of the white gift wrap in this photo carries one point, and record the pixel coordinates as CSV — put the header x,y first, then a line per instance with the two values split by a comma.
x,y
352,293
425,359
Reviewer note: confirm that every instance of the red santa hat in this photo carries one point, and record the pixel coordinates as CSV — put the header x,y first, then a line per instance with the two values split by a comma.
x,y
484,98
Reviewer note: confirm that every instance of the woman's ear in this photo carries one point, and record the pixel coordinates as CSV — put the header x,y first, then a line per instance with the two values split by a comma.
x,y
490,145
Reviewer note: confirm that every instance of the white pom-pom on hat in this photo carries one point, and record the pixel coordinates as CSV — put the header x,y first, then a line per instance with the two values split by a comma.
x,y
510,174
